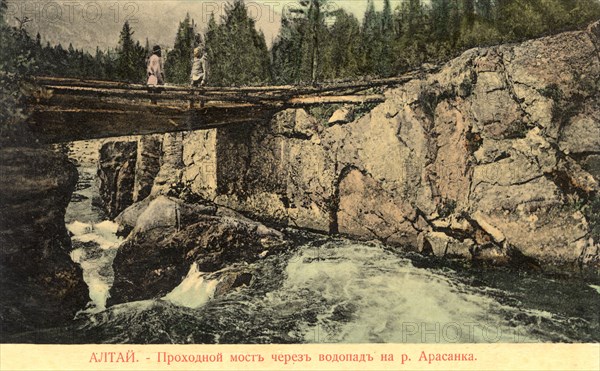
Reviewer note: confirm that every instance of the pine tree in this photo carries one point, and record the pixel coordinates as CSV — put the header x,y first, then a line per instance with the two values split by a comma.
x,y
468,9
371,40
413,16
237,52
110,64
411,48
387,38
99,71
287,52
344,41
179,60
311,16
127,68
387,17
485,8
445,28
377,37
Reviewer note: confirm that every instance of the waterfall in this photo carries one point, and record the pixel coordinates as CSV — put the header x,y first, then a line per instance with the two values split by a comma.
x,y
95,246
194,291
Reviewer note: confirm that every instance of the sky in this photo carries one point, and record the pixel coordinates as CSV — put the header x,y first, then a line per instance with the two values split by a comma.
x,y
91,23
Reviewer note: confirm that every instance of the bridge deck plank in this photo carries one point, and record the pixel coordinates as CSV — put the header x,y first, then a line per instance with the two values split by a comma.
x,y
65,110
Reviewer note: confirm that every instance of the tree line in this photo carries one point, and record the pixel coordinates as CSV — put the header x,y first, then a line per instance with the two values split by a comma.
x,y
318,42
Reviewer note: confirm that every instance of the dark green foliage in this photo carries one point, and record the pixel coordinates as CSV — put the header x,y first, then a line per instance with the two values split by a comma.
x,y
287,53
178,63
416,32
316,42
341,48
386,61
311,15
303,52
127,64
237,52
131,59
411,45
17,63
23,57
362,109
371,41
323,112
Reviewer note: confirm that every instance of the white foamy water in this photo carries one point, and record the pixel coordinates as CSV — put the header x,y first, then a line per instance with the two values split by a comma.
x,y
194,291
366,295
104,233
99,244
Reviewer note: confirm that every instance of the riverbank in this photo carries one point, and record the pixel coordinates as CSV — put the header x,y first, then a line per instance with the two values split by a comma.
x,y
321,289
469,195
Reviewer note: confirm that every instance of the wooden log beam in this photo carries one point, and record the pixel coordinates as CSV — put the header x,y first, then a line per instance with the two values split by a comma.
x,y
88,94
152,96
326,99
59,124
66,118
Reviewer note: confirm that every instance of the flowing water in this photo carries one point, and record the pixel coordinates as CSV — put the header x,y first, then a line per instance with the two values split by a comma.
x,y
326,290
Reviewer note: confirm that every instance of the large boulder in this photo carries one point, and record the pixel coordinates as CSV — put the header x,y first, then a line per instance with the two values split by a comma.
x,y
161,212
41,286
169,236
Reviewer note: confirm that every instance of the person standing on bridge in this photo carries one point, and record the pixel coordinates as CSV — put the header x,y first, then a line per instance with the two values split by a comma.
x,y
199,67
154,70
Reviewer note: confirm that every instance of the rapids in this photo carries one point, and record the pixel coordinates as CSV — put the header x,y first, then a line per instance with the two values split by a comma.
x,y
325,290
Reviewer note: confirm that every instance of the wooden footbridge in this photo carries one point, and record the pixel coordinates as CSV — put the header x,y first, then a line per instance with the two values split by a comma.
x,y
65,110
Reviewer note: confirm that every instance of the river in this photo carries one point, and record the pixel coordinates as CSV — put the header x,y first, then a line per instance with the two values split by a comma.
x,y
326,290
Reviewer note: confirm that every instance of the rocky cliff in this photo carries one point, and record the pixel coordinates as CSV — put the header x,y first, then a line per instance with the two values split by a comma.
x,y
41,286
495,158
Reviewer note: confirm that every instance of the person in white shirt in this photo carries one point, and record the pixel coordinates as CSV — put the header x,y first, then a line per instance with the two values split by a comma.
x,y
154,70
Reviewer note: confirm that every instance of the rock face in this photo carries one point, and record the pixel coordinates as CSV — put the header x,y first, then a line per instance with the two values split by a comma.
x,y
147,163
116,171
41,286
492,156
127,171
170,235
